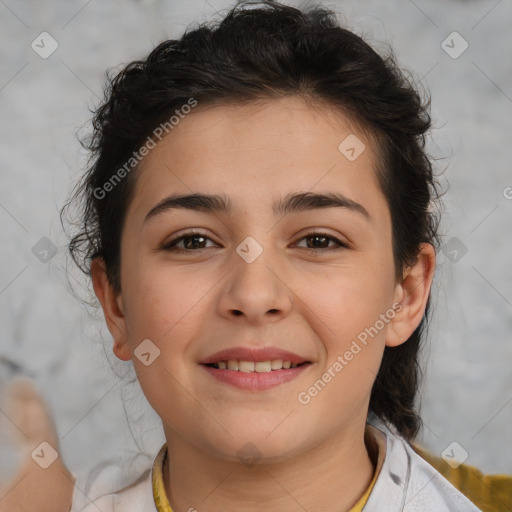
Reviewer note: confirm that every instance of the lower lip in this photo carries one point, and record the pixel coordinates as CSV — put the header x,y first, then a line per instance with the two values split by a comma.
x,y
254,381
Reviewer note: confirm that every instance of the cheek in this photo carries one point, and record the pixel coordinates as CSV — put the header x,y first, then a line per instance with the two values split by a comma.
x,y
162,301
168,308
343,307
345,301
344,313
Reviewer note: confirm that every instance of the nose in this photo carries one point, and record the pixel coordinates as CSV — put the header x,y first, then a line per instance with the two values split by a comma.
x,y
257,291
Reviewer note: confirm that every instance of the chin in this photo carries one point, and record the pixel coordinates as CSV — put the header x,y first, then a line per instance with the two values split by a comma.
x,y
253,446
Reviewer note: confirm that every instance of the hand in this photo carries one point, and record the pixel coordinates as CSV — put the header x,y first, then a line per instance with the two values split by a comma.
x,y
34,487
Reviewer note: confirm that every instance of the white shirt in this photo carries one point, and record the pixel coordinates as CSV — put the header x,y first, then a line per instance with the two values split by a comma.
x,y
406,483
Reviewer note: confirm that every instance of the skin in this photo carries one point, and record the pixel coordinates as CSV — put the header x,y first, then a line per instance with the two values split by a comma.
x,y
45,489
313,302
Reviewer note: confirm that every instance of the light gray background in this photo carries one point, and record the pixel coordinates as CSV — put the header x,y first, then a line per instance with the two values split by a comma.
x,y
48,333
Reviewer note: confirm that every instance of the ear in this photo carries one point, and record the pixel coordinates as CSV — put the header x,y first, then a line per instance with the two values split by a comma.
x,y
113,310
412,293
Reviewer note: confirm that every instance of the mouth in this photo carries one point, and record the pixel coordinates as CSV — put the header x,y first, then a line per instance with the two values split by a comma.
x,y
255,366
244,358
254,369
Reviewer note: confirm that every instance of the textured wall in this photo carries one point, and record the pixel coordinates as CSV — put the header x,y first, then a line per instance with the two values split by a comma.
x,y
43,102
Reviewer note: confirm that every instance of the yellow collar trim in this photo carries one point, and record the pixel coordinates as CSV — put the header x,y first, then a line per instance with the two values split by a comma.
x,y
161,501
372,435
376,445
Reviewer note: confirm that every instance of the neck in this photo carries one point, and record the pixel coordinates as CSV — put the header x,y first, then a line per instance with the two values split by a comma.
x,y
329,478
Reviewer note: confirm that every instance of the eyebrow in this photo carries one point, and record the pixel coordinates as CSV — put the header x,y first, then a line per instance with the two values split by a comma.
x,y
219,203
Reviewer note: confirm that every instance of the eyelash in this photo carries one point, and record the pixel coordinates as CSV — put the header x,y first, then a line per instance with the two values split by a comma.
x,y
171,245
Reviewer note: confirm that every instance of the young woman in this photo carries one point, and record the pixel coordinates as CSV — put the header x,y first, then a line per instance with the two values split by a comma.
x,y
257,223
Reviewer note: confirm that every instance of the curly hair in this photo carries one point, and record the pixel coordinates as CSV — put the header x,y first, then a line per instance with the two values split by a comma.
x,y
266,51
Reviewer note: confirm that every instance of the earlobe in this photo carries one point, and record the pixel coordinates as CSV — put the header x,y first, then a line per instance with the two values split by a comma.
x,y
412,293
113,310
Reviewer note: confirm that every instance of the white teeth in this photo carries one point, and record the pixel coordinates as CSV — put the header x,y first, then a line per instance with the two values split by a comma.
x,y
251,366
246,366
263,366
232,365
277,364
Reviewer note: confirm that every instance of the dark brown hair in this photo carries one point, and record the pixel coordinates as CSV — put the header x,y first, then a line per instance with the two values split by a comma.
x,y
266,50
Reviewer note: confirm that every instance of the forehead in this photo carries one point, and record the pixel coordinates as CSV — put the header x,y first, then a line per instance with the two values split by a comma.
x,y
259,150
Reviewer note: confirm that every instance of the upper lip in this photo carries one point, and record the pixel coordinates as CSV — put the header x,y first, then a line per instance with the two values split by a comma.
x,y
253,354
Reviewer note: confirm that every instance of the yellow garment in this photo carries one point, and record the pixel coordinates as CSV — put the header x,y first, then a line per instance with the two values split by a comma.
x,y
375,442
161,502
490,493
376,445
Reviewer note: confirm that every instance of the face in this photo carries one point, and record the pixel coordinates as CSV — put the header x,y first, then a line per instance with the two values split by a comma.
x,y
263,283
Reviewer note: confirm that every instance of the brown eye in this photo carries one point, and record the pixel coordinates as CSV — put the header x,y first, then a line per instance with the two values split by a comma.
x,y
191,241
321,241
